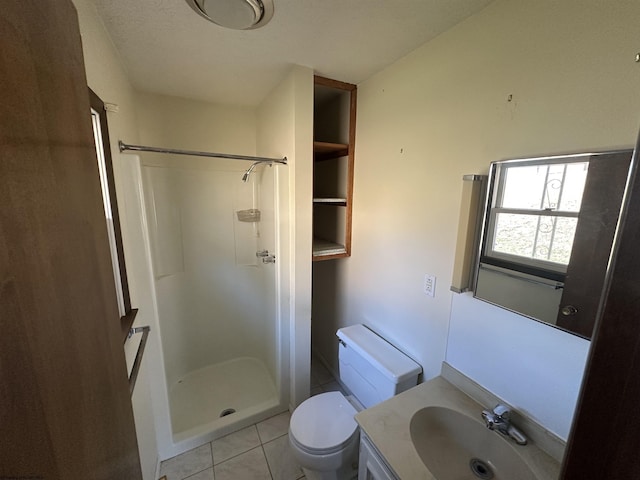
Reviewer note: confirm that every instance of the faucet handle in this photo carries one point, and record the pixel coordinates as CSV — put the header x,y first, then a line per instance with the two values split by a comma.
x,y
502,411
489,418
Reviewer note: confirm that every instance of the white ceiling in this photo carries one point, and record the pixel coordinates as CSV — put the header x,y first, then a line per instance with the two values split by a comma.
x,y
167,48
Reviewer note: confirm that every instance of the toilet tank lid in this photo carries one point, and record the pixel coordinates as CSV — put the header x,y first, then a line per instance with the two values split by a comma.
x,y
390,361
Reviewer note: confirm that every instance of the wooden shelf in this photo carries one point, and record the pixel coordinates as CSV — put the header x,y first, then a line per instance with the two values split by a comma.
x,y
334,117
325,250
327,151
341,202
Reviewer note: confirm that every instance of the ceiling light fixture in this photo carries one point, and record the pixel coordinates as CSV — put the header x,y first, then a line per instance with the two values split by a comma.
x,y
236,14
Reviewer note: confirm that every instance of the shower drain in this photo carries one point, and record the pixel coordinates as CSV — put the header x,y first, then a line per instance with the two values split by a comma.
x,y
480,469
227,411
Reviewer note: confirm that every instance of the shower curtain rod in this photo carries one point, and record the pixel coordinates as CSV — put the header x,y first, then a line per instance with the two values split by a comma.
x,y
142,148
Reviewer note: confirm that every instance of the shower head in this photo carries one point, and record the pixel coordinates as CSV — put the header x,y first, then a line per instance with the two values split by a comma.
x,y
266,161
245,176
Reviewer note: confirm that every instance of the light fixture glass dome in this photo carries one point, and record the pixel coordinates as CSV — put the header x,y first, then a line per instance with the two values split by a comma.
x,y
236,14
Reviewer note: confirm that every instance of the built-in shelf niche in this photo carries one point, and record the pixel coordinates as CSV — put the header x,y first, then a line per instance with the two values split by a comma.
x,y
333,153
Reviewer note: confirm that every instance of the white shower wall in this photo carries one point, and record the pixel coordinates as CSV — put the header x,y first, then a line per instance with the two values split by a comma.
x,y
173,122
267,179
212,307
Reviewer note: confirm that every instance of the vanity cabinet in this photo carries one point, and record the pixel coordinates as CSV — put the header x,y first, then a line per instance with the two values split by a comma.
x,y
371,465
334,126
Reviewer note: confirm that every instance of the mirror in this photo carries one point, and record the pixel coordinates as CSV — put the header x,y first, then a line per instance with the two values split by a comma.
x,y
547,232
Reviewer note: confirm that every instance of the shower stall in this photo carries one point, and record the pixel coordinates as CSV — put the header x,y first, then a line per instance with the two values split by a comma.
x,y
213,235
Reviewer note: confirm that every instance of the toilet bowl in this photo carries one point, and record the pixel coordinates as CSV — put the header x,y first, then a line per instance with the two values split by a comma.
x,y
323,434
324,437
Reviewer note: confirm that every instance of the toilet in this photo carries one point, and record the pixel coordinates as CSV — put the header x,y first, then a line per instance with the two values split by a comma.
x,y
323,433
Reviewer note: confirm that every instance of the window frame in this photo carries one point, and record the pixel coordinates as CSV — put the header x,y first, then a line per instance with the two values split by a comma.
x,y
127,314
532,266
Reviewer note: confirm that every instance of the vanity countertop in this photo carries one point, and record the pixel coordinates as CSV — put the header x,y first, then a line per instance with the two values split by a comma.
x,y
388,426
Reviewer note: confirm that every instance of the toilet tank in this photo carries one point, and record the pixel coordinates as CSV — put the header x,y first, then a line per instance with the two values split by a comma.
x,y
371,368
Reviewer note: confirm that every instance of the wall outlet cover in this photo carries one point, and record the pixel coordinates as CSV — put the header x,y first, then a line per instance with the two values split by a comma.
x,y
430,285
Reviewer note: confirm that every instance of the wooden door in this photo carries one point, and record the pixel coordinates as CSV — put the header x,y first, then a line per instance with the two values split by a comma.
x,y
596,228
65,411
604,440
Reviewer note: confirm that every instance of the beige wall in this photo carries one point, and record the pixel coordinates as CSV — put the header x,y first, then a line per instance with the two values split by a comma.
x,y
181,123
285,129
443,111
434,115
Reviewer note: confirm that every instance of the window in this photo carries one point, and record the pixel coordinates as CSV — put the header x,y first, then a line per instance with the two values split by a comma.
x,y
105,167
534,214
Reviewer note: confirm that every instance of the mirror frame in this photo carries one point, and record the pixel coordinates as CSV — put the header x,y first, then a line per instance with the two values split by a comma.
x,y
610,182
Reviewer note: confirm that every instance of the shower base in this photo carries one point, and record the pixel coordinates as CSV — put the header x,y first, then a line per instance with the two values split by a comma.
x,y
200,401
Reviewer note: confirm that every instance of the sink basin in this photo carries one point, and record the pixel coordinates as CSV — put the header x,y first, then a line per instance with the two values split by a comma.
x,y
454,446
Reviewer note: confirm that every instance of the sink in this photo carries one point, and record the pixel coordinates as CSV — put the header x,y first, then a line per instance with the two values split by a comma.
x,y
454,446
434,431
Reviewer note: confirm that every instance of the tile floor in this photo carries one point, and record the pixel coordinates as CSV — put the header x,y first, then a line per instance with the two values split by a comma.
x,y
258,452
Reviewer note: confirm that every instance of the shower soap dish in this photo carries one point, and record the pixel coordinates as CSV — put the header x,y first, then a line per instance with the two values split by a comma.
x,y
249,215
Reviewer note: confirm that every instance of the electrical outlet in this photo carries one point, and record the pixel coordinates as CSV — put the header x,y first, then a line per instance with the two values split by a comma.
x,y
430,285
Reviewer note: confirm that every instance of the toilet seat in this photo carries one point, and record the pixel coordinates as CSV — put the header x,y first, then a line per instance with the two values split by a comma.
x,y
323,424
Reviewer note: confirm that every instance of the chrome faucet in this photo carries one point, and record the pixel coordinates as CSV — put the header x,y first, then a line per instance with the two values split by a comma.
x,y
499,420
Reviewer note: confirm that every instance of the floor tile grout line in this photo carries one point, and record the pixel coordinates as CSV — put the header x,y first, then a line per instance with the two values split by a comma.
x,y
196,473
232,433
267,461
236,456
275,438
251,448
258,430
210,467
